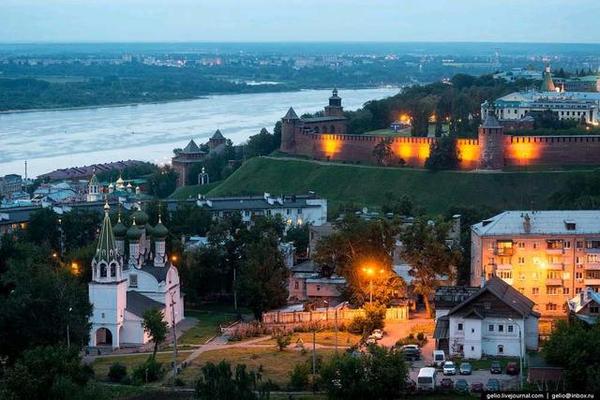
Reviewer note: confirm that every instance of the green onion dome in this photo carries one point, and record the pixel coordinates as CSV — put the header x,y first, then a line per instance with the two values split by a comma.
x,y
120,230
134,233
140,217
149,230
160,231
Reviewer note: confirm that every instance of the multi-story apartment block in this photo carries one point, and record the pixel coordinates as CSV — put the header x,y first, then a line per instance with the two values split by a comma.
x,y
549,256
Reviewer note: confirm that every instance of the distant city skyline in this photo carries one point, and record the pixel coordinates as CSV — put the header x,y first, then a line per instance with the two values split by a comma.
x,y
548,21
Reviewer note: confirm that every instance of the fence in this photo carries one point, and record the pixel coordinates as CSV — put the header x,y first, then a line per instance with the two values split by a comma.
x,y
342,314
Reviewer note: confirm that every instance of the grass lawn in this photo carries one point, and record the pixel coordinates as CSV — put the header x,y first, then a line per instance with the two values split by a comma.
x,y
367,185
276,365
208,324
323,338
101,365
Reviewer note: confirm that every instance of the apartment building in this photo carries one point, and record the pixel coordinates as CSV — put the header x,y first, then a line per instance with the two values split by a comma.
x,y
549,256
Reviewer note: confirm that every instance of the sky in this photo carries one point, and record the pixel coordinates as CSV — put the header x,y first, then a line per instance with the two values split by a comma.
x,y
562,21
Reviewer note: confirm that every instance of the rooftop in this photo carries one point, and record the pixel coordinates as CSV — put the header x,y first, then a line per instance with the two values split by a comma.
x,y
564,222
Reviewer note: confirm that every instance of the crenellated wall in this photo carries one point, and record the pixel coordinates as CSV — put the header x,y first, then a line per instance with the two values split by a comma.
x,y
518,150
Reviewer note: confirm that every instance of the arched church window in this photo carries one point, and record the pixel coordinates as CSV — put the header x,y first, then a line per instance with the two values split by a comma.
x,y
113,269
316,129
324,129
103,270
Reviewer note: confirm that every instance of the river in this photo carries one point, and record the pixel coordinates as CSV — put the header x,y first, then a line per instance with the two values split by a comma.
x,y
66,138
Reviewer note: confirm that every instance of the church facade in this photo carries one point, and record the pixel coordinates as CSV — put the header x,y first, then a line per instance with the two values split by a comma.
x,y
126,282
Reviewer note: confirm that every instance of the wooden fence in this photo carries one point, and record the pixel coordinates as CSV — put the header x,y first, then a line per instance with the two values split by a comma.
x,y
342,314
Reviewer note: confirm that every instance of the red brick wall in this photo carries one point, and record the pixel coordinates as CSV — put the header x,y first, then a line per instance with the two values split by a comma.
x,y
518,150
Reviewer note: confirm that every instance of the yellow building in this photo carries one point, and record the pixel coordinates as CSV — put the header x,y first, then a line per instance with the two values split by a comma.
x,y
549,256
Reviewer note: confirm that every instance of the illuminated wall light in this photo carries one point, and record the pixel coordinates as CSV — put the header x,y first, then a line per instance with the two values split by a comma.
x,y
330,146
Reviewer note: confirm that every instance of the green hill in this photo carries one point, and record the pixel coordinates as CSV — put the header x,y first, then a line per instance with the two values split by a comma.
x,y
192,191
366,185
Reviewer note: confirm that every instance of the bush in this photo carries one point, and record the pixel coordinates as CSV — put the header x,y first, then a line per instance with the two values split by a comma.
x,y
420,340
299,377
150,371
373,319
117,372
283,340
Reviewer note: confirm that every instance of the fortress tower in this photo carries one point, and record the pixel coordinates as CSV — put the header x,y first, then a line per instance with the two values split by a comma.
x,y
290,123
334,109
491,143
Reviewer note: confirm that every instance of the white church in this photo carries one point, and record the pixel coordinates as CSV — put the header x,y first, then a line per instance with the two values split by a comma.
x,y
126,284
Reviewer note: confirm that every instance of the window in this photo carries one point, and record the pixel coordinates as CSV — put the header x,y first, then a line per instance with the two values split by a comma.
x,y
102,315
521,245
565,290
578,275
133,281
491,328
579,244
472,330
535,245
500,349
592,258
551,307
578,260
472,348
487,305
268,212
521,260
318,287
113,270
103,270
288,211
552,275
296,285
534,276
567,244
500,328
594,309
552,289
505,274
578,290
510,328
460,327
535,290
299,211
566,275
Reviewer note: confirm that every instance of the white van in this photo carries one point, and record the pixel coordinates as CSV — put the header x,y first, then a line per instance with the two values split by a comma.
x,y
439,357
426,379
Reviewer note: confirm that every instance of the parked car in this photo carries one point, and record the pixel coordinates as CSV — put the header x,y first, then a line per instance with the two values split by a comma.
x,y
495,367
438,358
411,354
493,385
447,383
461,386
512,368
377,334
476,387
465,368
426,379
449,368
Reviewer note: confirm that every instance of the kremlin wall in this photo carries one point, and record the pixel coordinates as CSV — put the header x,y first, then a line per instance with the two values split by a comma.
x,y
324,138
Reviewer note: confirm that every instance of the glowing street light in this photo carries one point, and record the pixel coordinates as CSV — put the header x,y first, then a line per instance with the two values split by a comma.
x,y
74,268
370,272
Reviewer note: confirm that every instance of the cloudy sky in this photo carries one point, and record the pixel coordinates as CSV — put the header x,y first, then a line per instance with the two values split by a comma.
x,y
300,20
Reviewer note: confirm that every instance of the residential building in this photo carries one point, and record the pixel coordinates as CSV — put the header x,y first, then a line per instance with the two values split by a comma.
x,y
293,209
307,284
549,256
10,184
448,297
496,321
585,306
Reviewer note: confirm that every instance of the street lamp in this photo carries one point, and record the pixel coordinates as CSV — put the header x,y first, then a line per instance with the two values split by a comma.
x,y
520,353
370,272
68,328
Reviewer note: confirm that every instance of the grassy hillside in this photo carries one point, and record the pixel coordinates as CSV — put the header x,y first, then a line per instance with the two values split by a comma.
x,y
367,186
192,191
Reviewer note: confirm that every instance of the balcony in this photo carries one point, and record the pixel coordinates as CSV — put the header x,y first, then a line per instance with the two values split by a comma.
x,y
592,250
555,251
554,282
594,266
504,251
591,282
556,266
504,267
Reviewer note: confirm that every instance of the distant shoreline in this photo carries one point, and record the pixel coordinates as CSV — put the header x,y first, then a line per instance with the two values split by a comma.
x,y
92,107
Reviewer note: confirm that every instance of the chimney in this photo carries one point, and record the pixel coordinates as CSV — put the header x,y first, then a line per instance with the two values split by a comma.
x,y
527,223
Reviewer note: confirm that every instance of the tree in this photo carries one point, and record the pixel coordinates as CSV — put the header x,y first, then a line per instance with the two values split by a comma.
x,y
156,327
442,155
40,303
283,340
299,235
378,374
357,245
263,276
383,151
79,227
261,144
163,182
217,382
43,228
48,372
576,348
425,248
